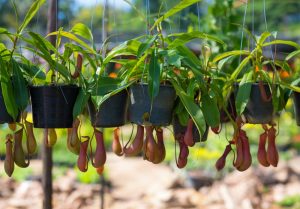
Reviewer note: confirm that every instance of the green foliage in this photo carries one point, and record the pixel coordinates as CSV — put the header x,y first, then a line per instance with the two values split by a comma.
x,y
290,201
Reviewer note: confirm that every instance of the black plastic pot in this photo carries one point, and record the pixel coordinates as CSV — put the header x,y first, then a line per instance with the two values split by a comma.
x,y
4,116
112,112
157,113
259,111
180,130
296,97
52,106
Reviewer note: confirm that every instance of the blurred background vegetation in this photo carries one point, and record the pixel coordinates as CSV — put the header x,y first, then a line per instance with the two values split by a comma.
x,y
222,18
214,16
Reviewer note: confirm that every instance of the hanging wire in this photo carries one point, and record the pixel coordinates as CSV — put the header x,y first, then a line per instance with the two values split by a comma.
x,y
115,22
266,24
198,13
170,25
56,54
244,20
148,11
104,22
148,33
37,31
93,14
253,25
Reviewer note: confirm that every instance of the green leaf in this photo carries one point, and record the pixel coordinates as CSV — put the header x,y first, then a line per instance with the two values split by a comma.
x,y
42,44
177,8
130,47
154,75
222,62
191,60
235,74
290,86
82,30
3,31
32,71
145,46
172,57
263,37
293,54
81,101
183,38
72,37
244,92
106,85
30,14
290,43
230,54
192,108
210,110
7,91
20,88
63,70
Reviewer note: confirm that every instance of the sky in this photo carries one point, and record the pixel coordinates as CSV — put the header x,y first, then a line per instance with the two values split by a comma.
x,y
116,3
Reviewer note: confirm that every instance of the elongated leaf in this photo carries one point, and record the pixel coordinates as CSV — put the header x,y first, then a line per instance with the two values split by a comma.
x,y
32,71
3,31
235,74
30,14
290,43
106,85
191,107
289,86
154,75
61,69
263,37
190,60
177,8
222,62
292,55
43,45
81,101
82,30
72,37
20,88
172,57
210,110
98,100
244,92
230,54
7,91
146,45
130,47
184,38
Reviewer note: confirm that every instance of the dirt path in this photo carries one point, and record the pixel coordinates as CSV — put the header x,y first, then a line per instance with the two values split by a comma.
x,y
135,183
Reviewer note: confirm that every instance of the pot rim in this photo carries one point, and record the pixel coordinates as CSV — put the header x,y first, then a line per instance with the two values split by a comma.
x,y
146,84
54,86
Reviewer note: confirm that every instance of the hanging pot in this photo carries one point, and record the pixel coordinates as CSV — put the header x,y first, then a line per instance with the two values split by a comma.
x,y
158,113
52,106
4,116
296,97
258,110
230,109
180,130
112,112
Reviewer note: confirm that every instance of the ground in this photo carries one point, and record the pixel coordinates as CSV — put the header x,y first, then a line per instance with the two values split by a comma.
x,y
135,183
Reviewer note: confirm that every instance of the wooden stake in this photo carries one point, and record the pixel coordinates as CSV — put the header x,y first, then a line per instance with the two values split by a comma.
x,y
47,151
